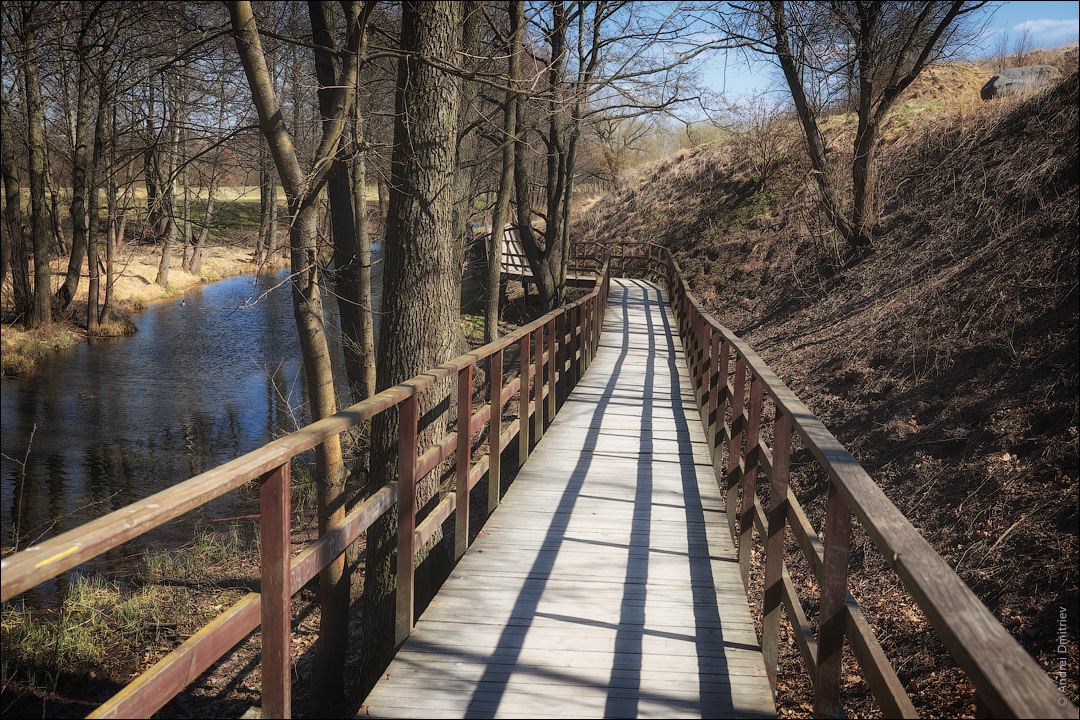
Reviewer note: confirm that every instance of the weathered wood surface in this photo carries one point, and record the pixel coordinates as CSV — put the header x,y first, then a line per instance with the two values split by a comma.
x,y
605,584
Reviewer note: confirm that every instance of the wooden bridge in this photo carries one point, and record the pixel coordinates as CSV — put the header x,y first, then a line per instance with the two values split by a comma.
x,y
611,579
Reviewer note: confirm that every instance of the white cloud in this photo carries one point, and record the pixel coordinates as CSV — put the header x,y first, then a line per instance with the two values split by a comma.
x,y
1050,29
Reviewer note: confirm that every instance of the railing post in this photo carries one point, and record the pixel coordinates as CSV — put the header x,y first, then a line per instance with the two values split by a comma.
x,y
538,382
464,456
832,618
495,374
586,327
560,334
731,480
774,546
406,552
552,361
275,597
712,418
749,481
722,401
523,401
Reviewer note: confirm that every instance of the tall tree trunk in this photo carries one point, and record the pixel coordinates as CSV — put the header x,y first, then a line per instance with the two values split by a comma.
x,y
363,247
303,190
80,185
15,239
187,241
169,206
466,160
41,312
266,180
342,217
502,202
208,218
419,324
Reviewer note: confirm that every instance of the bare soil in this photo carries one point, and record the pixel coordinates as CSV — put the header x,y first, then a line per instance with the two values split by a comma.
x,y
944,358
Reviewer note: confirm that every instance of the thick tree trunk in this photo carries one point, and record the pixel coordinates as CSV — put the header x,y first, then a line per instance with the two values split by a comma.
x,y
15,251
419,324
41,311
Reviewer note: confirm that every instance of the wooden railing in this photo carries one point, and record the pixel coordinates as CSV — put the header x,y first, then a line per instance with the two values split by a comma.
x,y
731,382
554,351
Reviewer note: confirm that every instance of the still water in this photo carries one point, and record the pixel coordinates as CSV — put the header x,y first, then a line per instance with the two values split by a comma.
x,y
208,377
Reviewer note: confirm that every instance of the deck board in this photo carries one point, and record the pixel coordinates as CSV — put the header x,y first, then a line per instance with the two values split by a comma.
x,y
605,584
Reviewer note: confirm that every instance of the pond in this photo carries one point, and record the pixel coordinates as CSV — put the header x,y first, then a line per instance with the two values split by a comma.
x,y
208,377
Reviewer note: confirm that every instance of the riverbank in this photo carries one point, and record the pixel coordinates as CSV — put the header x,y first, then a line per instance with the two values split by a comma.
x,y
21,350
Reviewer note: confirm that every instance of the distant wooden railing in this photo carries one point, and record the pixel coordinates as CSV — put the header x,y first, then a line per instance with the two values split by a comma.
x,y
1008,682
554,351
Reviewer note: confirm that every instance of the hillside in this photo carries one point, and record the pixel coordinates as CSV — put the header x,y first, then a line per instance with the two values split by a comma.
x,y
944,358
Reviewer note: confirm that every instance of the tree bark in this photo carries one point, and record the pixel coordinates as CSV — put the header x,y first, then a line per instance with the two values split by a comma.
x,y
342,211
502,201
80,175
178,106
41,311
419,324
15,251
302,191
363,244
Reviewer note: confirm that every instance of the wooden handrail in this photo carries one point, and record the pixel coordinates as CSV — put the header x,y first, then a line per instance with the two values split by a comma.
x,y
282,577
1008,682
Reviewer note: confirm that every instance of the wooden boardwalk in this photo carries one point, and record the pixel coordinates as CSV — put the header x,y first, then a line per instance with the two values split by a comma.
x,y
605,584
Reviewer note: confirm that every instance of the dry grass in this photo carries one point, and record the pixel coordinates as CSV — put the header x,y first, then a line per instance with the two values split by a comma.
x,y
945,358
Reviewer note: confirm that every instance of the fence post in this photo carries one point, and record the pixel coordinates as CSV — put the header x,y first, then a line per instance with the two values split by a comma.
x,y
749,481
833,614
538,382
523,401
712,419
275,597
464,455
723,399
495,375
731,480
552,359
774,546
406,552
560,334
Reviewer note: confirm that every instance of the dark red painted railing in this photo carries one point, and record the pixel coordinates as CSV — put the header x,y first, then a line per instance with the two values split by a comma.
x,y
731,383
554,352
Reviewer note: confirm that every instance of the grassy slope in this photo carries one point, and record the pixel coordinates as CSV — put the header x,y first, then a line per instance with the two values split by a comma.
x,y
945,358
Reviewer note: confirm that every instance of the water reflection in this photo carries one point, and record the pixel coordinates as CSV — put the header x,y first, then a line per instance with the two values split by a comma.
x,y
203,381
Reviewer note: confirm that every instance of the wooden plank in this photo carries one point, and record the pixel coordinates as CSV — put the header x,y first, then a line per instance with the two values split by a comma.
x,y
276,596
604,575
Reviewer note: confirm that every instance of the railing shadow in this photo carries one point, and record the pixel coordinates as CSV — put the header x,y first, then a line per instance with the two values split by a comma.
x,y
637,335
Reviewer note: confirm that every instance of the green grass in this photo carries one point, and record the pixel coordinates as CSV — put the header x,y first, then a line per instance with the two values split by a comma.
x,y
195,564
97,619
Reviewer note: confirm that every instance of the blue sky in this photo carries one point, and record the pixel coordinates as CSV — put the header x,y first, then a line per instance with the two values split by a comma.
x,y
1052,24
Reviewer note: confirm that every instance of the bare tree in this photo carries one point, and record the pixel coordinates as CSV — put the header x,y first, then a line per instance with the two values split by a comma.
x,y
1022,46
887,43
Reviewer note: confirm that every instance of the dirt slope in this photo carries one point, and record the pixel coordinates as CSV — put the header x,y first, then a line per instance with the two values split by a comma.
x,y
945,358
